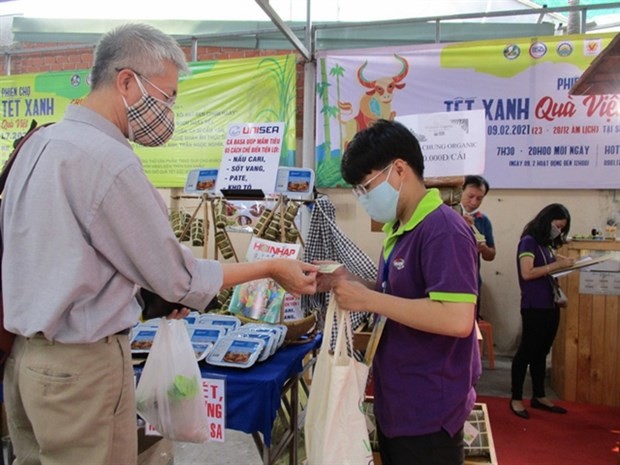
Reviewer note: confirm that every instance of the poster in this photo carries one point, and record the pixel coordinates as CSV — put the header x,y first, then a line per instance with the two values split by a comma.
x,y
537,136
262,249
212,96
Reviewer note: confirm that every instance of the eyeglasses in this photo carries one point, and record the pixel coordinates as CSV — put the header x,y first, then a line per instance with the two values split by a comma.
x,y
169,100
362,189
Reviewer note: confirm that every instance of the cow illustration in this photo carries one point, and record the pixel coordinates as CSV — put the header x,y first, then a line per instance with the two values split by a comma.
x,y
376,103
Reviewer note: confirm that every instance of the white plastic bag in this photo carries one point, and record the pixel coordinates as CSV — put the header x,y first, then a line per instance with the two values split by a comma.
x,y
169,393
335,425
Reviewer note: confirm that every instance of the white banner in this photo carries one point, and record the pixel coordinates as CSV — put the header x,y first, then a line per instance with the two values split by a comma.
x,y
537,136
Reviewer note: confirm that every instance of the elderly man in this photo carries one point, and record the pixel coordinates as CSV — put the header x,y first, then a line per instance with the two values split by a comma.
x,y
82,228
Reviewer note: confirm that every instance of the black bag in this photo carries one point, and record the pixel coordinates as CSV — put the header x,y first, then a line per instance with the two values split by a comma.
x,y
154,306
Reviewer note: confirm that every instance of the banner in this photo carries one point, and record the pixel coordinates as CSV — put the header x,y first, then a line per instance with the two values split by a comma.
x,y
537,136
215,95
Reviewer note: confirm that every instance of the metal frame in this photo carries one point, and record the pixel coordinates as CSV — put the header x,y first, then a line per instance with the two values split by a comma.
x,y
291,416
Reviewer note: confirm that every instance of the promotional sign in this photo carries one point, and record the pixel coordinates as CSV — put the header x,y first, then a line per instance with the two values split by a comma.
x,y
537,136
262,249
214,95
251,157
214,392
453,143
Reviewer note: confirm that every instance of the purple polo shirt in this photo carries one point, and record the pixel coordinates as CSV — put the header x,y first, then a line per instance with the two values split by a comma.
x,y
424,382
535,293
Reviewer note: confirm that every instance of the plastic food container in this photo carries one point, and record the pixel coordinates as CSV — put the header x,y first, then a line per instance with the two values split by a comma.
x,y
235,352
204,338
142,337
278,330
269,338
228,322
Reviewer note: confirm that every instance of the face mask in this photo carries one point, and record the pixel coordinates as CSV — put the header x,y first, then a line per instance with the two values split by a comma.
x,y
381,202
555,232
473,212
150,120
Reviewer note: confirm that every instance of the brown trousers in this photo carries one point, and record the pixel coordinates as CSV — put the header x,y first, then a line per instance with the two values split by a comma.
x,y
71,404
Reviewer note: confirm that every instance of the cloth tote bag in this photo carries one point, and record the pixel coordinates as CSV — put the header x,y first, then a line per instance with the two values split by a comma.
x,y
335,425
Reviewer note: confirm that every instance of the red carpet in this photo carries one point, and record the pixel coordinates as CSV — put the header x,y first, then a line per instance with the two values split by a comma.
x,y
586,435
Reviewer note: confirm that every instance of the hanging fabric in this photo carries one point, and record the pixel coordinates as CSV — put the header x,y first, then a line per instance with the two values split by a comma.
x,y
326,241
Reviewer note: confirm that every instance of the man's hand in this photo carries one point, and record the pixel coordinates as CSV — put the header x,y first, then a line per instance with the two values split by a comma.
x,y
178,314
295,276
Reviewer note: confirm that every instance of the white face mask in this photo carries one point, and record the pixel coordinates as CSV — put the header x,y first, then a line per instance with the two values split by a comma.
x,y
381,203
473,212
555,232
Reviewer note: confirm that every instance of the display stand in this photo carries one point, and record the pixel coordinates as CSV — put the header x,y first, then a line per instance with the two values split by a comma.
x,y
276,223
185,225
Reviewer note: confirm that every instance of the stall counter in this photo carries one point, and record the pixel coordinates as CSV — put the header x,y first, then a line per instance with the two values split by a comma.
x,y
585,363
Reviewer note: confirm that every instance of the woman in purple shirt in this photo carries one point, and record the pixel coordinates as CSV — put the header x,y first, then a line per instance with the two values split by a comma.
x,y
540,316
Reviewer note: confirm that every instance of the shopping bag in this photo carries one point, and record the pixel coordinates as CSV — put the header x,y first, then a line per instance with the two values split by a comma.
x,y
169,393
335,425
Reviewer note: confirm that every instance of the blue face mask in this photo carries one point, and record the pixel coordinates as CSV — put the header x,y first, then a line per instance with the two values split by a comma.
x,y
381,203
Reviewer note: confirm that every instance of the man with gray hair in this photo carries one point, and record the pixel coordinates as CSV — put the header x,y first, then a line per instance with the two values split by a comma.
x,y
82,228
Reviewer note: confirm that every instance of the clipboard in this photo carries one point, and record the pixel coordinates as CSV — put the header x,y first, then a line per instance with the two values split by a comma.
x,y
581,263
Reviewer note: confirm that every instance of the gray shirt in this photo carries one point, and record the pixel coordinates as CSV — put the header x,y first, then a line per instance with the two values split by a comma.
x,y
82,225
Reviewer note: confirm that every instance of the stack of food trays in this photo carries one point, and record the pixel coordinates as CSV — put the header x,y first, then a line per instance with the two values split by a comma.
x,y
248,344
218,339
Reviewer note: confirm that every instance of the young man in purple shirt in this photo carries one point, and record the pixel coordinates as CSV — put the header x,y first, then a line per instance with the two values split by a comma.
x,y
427,361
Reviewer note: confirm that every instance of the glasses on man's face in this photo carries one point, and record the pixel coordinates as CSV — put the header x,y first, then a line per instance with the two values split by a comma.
x,y
168,99
362,189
